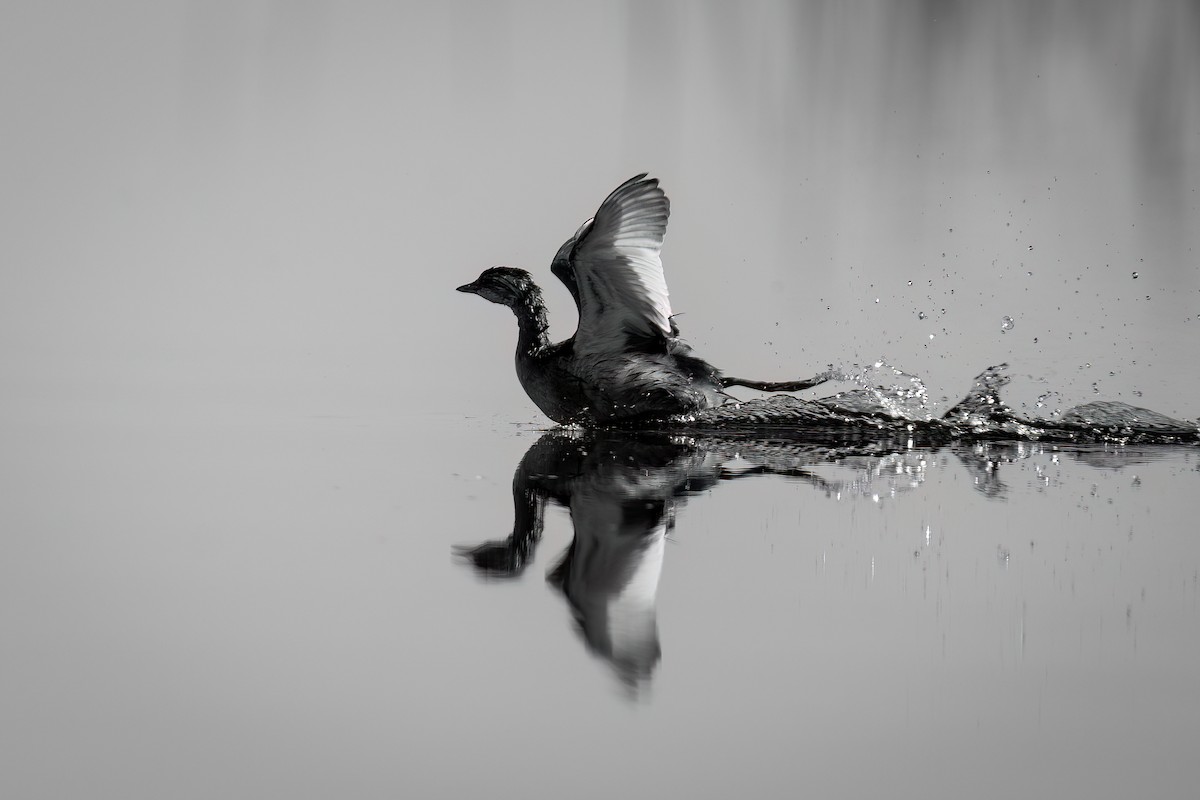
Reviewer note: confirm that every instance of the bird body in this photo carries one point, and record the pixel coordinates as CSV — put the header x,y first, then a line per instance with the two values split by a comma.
x,y
626,362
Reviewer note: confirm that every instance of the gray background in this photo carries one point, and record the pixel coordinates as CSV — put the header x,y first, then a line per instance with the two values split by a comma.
x,y
244,416
265,206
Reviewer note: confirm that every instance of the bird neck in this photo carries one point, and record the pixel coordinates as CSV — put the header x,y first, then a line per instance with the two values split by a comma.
x,y
531,320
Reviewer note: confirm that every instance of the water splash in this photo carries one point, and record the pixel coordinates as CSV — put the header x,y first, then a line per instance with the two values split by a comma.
x,y
893,405
900,394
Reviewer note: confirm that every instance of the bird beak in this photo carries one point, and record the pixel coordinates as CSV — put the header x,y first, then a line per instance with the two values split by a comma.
x,y
468,287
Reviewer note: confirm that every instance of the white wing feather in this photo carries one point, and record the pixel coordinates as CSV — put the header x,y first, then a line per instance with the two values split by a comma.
x,y
622,289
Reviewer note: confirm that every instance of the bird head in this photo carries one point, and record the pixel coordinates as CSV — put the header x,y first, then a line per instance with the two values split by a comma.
x,y
507,286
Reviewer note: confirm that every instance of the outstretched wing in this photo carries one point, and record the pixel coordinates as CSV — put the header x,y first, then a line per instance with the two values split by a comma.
x,y
617,274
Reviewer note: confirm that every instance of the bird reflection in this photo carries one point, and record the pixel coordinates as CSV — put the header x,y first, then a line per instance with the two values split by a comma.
x,y
623,491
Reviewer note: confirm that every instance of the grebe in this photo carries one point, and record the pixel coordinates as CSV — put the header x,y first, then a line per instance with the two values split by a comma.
x,y
626,361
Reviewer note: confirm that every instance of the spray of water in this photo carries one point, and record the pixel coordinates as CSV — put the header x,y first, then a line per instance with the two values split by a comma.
x,y
901,394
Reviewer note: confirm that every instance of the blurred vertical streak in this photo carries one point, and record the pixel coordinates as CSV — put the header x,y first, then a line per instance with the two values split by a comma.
x,y
247,61
1166,110
482,54
296,47
654,112
217,65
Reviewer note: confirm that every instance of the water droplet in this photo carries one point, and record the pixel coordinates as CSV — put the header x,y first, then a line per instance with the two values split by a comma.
x,y
1006,324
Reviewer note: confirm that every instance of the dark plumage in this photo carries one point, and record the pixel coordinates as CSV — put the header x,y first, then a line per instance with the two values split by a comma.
x,y
625,362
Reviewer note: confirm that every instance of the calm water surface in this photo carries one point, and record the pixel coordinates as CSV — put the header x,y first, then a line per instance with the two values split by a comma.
x,y
243,607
